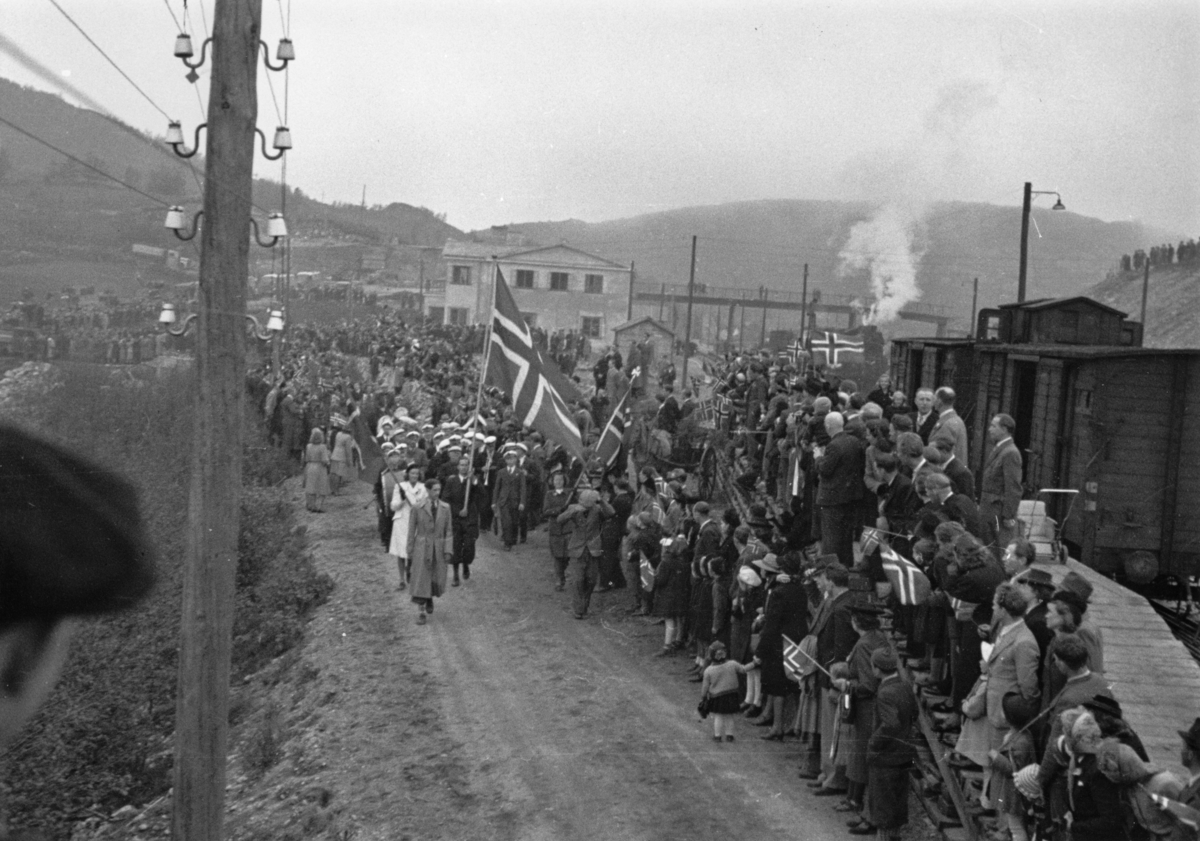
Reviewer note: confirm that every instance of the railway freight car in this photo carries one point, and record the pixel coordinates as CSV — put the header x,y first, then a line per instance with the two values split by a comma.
x,y
1095,413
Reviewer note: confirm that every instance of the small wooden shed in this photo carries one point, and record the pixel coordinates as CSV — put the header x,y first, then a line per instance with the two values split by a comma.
x,y
657,339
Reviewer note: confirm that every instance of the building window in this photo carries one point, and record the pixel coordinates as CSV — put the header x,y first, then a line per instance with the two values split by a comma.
x,y
458,315
524,278
593,284
590,326
558,281
460,275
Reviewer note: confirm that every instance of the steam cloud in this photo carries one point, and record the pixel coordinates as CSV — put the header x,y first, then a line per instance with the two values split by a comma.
x,y
903,183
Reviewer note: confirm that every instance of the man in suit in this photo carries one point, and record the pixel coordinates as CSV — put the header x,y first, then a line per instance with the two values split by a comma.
x,y
946,504
949,425
961,477
840,466
890,751
509,496
1000,482
836,637
924,418
464,509
1012,665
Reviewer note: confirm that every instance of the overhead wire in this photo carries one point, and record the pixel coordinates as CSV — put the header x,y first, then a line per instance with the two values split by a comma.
x,y
108,58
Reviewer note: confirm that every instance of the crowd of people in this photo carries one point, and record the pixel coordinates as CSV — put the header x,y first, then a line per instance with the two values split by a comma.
x,y
780,599
1159,255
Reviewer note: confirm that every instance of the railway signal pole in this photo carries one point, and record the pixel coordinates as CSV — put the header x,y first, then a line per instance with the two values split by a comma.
x,y
210,559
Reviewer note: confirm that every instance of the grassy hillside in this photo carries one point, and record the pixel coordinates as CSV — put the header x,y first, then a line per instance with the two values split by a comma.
x,y
1172,302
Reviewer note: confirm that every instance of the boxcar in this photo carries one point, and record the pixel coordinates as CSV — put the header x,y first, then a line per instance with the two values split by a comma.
x,y
1116,422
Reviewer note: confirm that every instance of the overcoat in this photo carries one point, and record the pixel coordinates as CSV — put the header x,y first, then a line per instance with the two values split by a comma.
x,y
429,544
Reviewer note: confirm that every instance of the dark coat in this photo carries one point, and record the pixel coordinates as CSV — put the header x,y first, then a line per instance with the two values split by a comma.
x,y
671,587
900,504
786,612
835,635
926,428
891,744
841,471
962,480
511,489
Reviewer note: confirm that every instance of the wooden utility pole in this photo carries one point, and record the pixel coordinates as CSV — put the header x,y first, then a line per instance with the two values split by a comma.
x,y
629,306
210,558
1145,292
763,342
974,307
804,306
687,334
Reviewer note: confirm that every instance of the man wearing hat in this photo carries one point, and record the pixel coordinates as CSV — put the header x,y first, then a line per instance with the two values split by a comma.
x,y
509,497
1038,586
860,685
584,543
890,751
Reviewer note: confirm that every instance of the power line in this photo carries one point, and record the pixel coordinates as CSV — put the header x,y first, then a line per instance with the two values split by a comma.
x,y
68,155
108,58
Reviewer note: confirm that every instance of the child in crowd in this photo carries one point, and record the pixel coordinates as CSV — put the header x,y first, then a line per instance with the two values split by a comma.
x,y
1016,751
720,686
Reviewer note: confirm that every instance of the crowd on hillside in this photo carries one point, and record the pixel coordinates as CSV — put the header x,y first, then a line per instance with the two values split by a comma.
x,y
1159,255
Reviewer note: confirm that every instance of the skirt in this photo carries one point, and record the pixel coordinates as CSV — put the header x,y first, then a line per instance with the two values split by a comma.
x,y
316,479
727,703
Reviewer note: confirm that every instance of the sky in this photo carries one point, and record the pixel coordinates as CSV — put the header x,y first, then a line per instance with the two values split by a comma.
x,y
503,111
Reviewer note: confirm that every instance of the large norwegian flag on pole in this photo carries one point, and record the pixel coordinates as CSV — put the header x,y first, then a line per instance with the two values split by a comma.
x,y
909,583
832,347
613,435
515,367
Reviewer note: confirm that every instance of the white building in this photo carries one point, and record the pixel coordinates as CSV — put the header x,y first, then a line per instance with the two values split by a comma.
x,y
557,287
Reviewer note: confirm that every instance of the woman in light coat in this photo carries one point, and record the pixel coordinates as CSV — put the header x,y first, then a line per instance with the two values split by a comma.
x,y
345,458
429,543
316,472
409,494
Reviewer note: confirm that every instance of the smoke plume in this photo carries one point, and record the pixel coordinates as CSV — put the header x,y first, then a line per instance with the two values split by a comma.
x,y
903,182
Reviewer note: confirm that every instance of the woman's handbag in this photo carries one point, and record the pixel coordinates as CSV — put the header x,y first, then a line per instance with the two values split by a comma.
x,y
702,707
975,704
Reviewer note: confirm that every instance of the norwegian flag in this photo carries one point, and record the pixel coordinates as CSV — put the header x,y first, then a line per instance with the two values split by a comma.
x,y
647,574
722,409
613,435
909,583
871,538
796,663
833,347
795,350
514,366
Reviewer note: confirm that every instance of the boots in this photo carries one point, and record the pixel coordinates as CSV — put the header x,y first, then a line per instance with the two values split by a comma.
x,y
454,582
403,574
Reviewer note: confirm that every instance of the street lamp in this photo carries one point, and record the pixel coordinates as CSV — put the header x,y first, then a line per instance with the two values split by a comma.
x,y
1029,194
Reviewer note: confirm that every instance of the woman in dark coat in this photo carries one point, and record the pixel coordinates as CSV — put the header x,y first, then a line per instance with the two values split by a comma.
x,y
671,596
786,614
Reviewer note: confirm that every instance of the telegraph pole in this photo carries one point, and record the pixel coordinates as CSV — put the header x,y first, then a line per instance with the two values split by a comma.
x,y
629,305
210,559
974,308
687,335
804,306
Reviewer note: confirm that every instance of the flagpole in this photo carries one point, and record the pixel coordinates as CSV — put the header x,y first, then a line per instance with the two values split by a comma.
x,y
487,352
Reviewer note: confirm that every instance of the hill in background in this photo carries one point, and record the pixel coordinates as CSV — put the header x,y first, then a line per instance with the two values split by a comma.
x,y
1172,302
766,243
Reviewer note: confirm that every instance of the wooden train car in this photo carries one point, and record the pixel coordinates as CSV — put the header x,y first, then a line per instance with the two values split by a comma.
x,y
1114,421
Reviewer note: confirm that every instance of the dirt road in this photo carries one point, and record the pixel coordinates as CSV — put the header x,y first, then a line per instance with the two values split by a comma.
x,y
507,718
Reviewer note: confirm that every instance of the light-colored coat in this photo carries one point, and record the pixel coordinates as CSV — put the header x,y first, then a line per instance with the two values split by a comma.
x,y
429,544
1012,665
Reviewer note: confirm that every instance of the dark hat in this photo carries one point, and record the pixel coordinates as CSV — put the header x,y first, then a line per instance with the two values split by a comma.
x,y
1036,577
1077,584
884,660
1019,710
1191,737
790,563
866,609
1103,704
1070,597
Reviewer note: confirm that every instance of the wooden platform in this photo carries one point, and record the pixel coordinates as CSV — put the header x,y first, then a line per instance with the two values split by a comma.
x,y
1152,674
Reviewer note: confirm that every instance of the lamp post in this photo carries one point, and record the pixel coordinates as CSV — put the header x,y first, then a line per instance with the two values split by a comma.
x,y
1025,207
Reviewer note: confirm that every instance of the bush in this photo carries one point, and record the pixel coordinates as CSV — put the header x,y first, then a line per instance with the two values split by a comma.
x,y
115,704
